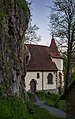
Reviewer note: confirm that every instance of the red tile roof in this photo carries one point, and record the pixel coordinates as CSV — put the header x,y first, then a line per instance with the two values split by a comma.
x,y
54,50
40,59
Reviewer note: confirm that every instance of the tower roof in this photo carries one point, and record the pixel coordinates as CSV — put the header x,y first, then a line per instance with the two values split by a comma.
x,y
54,49
53,46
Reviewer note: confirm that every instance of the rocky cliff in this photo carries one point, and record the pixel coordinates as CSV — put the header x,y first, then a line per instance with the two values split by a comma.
x,y
14,18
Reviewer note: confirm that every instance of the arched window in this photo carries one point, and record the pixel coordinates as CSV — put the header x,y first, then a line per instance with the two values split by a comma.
x,y
50,78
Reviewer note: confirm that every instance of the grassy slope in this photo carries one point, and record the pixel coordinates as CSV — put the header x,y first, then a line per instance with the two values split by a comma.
x,y
52,100
13,108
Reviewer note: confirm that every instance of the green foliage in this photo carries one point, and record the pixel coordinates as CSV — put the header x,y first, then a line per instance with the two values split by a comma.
x,y
2,16
65,62
72,68
31,97
52,99
72,78
14,108
23,5
43,114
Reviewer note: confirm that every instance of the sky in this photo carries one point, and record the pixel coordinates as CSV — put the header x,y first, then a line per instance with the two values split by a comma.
x,y
40,13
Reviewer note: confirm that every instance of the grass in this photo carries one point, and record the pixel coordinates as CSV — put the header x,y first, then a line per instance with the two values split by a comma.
x,y
14,108
31,97
52,99
43,114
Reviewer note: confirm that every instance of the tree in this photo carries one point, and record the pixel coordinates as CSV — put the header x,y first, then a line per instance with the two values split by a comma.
x,y
31,34
63,26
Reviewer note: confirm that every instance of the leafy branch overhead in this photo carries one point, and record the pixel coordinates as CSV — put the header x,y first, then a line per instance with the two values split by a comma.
x,y
31,35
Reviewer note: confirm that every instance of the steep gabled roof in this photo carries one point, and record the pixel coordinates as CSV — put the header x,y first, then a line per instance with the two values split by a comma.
x,y
53,52
40,59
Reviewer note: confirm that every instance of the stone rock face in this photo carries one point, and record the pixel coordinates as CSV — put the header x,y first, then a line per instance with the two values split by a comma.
x,y
14,18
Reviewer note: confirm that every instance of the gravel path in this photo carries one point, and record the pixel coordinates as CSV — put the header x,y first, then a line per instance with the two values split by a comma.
x,y
52,110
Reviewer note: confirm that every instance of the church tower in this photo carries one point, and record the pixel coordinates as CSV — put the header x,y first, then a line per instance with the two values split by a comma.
x,y
58,60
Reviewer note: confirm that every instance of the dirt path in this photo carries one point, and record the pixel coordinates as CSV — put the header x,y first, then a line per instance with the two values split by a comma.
x,y
52,110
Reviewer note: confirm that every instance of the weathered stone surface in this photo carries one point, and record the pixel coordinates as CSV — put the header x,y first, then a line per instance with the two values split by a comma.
x,y
14,18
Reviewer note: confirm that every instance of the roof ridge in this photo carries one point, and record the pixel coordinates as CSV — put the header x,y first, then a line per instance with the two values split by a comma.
x,y
38,45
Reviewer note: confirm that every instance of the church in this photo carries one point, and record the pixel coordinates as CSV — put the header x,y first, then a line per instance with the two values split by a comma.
x,y
45,68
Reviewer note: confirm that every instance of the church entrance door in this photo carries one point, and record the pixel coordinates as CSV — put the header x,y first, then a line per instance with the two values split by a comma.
x,y
33,85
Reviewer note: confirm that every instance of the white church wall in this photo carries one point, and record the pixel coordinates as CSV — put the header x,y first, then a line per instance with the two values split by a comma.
x,y
47,86
33,75
59,63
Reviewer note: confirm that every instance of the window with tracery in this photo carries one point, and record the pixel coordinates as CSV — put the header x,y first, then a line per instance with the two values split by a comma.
x,y
50,78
